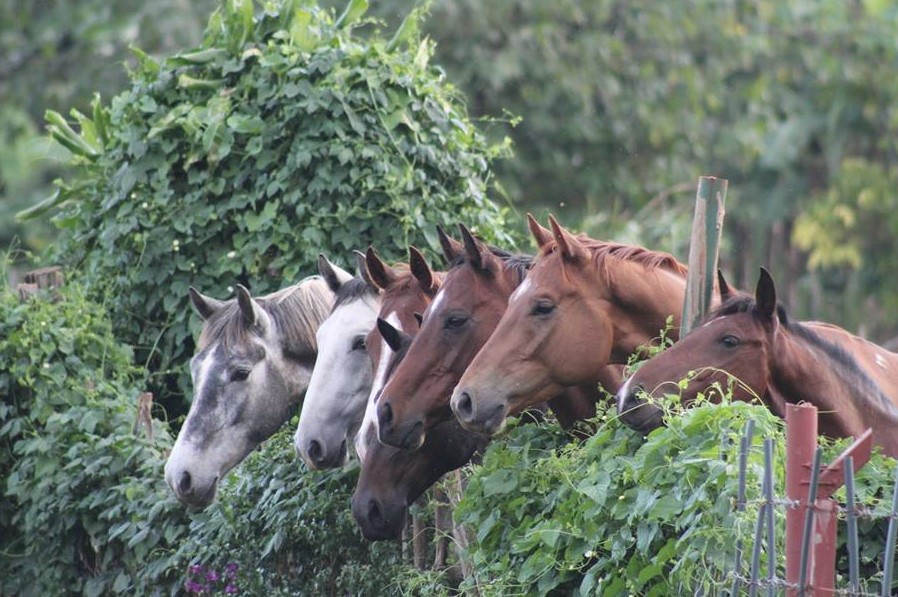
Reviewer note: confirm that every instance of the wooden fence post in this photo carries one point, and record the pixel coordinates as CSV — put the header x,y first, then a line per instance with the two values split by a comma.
x,y
704,246
820,548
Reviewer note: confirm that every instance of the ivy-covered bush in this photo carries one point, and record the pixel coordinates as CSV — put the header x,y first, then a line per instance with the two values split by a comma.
x,y
84,510
282,136
620,514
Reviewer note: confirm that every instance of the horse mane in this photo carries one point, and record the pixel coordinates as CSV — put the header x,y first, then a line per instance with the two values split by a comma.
x,y
517,262
296,311
862,384
602,251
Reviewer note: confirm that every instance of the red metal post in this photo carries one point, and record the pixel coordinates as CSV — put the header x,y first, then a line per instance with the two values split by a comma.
x,y
801,443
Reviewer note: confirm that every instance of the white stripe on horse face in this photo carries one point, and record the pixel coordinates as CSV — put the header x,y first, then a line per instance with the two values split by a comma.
x,y
202,374
622,394
437,301
520,291
369,426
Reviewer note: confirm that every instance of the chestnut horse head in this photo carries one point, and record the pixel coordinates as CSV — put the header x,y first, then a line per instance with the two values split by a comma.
x,y
584,304
454,327
751,347
404,298
253,363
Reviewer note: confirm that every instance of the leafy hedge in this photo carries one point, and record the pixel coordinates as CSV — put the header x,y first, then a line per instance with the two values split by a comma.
x,y
85,509
78,516
621,514
280,137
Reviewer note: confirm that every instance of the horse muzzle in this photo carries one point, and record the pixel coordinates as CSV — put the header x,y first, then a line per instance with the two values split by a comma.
x,y
477,414
636,412
379,520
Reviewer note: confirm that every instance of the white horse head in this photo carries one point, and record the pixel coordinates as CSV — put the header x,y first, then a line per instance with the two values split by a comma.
x,y
334,404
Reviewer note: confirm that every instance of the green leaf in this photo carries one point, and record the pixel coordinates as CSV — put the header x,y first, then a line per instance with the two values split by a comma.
x,y
352,13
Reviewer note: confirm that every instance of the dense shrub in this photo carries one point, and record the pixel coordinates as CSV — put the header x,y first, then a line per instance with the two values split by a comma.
x,y
281,136
84,509
621,514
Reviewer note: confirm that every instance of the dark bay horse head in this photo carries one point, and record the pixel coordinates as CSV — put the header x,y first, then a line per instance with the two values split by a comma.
x,y
454,327
392,479
252,366
749,346
584,304
347,342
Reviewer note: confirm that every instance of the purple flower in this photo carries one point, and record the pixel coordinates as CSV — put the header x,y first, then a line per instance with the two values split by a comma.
x,y
195,569
230,589
212,575
231,569
193,587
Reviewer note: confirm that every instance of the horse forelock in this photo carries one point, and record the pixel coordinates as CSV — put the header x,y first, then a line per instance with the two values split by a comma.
x,y
517,263
355,289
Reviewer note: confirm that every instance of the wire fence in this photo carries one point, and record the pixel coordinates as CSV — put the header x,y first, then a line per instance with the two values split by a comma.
x,y
812,519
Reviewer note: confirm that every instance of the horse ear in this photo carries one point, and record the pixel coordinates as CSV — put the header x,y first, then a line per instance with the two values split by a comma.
x,y
204,306
333,275
452,249
568,246
765,295
724,289
380,275
247,306
421,270
392,336
543,236
473,248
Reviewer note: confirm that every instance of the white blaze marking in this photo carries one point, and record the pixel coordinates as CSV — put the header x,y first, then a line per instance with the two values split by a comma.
x,y
369,422
437,301
622,394
520,290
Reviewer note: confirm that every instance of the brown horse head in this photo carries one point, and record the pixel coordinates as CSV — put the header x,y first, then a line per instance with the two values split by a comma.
x,y
750,345
456,324
403,299
728,352
583,305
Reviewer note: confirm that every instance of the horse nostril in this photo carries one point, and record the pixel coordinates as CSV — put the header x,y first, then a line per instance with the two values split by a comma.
x,y
316,453
375,514
384,414
184,484
464,406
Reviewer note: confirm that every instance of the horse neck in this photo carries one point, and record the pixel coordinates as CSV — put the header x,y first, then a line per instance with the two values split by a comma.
x,y
847,398
641,300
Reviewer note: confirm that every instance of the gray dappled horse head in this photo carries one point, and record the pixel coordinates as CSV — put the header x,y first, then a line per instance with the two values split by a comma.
x,y
253,363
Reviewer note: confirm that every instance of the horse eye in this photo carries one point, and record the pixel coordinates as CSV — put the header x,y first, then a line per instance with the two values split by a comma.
x,y
240,374
454,321
359,343
542,308
730,341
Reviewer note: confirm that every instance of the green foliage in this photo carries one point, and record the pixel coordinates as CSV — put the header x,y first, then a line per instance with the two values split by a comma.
x,y
280,137
78,515
291,532
625,514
